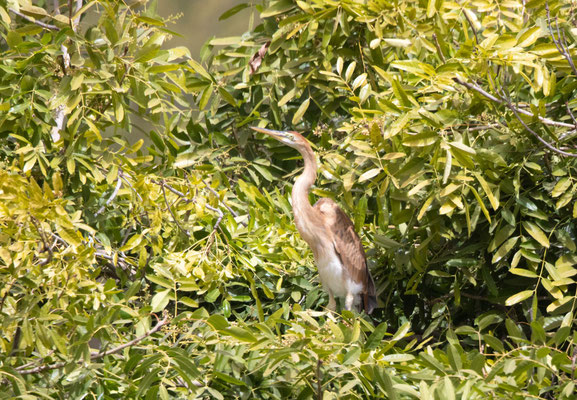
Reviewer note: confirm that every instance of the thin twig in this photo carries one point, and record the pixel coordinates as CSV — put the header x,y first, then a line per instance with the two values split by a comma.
x,y
438,46
112,196
187,200
45,246
560,41
35,362
156,328
571,113
573,362
34,21
129,184
319,380
122,261
232,212
472,27
76,20
162,184
478,89
537,136
95,356
483,127
7,289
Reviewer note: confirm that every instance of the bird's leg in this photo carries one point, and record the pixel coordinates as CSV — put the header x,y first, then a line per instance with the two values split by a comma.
x,y
349,301
332,306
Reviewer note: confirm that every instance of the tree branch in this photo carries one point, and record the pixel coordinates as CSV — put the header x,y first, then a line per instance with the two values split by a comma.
x,y
481,91
95,356
438,46
232,212
535,134
560,41
162,184
112,196
156,328
34,21
187,200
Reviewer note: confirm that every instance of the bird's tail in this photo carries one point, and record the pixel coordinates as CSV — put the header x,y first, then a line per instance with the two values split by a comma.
x,y
370,295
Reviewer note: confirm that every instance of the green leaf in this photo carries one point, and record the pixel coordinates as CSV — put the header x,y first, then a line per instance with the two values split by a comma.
x,y
199,69
529,37
70,236
402,331
217,322
300,112
376,336
487,190
481,204
504,249
398,125
132,242
233,11
278,7
494,342
518,297
240,333
369,174
536,233
160,300
397,357
413,66
561,187
350,70
287,97
523,272
502,234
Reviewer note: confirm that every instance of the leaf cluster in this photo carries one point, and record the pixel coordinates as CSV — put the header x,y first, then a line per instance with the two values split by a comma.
x,y
440,128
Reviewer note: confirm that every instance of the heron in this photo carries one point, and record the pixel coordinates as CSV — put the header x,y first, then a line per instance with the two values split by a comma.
x,y
330,233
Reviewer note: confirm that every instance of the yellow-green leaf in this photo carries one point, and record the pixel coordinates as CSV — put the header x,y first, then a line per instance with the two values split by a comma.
x,y
425,207
132,242
518,297
398,125
369,174
431,9
448,165
487,190
397,42
481,204
298,116
504,249
536,233
561,187
70,236
523,272
287,97
529,37
402,331
350,70
160,300
463,147
199,69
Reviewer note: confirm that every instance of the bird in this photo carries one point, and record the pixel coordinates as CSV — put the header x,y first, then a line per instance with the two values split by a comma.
x,y
330,233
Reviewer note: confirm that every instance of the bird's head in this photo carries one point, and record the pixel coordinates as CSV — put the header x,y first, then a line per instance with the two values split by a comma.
x,y
292,139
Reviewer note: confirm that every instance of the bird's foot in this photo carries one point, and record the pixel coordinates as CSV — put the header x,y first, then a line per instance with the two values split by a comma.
x,y
332,306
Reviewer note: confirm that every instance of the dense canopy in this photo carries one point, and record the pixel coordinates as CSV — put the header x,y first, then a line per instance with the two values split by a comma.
x,y
147,247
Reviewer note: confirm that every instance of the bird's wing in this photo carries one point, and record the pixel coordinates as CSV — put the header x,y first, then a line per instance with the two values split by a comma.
x,y
349,248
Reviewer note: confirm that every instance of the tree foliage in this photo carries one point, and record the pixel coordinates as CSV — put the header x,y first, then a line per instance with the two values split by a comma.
x,y
169,266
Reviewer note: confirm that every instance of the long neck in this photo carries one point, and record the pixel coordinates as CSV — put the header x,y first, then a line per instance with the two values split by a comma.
x,y
302,209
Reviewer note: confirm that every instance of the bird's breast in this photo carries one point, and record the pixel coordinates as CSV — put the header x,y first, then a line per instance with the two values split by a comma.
x,y
333,274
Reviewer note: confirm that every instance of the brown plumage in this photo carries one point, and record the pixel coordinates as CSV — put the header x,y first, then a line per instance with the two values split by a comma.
x,y
330,233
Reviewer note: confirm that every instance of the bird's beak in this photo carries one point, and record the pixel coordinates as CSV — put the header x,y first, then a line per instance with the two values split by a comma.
x,y
278,135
